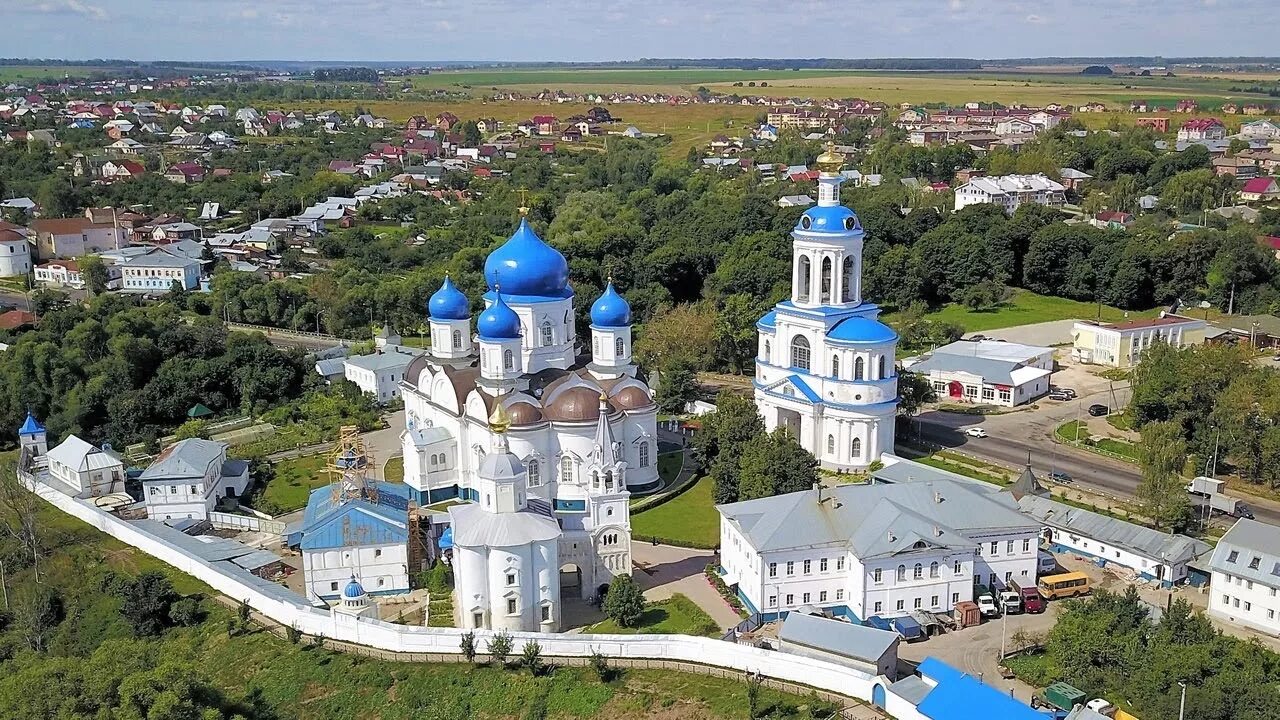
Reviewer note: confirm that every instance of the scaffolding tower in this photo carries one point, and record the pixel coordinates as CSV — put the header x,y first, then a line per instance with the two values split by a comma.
x,y
349,466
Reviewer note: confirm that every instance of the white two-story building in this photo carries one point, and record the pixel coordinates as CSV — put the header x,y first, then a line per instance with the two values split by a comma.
x,y
188,478
1245,585
1010,191
887,548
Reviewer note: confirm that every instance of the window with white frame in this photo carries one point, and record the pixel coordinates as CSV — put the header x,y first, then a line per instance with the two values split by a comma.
x,y
822,565
807,566
875,576
791,568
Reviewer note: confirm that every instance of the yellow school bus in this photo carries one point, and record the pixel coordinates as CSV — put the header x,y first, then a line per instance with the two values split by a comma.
x,y
1071,584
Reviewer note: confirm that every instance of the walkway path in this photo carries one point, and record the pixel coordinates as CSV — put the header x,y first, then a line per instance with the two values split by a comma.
x,y
665,570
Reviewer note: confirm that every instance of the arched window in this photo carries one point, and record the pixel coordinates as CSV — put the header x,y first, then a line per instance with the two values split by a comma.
x,y
547,337
457,339
644,454
619,347
933,569
535,473
608,479
827,280
805,279
566,469
831,444
508,360
902,573
433,460
859,369
800,352
880,368
595,480
855,448
835,366
918,572
767,348
848,279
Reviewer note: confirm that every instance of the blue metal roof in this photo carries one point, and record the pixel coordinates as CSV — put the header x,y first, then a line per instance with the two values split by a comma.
x,y
31,426
830,219
446,539
328,525
804,388
525,265
862,330
769,320
958,696
353,589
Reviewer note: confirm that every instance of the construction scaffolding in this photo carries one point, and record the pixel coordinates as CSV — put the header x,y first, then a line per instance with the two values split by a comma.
x,y
349,466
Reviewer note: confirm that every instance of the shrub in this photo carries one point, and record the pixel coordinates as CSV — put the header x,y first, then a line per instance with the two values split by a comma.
x,y
531,657
725,591
499,647
469,646
186,612
146,603
438,579
293,634
600,664
624,603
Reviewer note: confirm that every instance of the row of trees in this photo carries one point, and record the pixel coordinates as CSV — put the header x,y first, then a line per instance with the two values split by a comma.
x,y
744,461
1109,647
1211,402
115,371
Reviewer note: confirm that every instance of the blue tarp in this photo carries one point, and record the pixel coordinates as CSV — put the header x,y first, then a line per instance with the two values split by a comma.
x,y
878,623
906,627
446,539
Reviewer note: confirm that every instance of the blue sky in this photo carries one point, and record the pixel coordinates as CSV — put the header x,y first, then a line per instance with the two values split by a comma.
x,y
534,30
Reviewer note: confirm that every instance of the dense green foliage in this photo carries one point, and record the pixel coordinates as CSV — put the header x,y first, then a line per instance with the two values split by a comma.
x,y
114,371
744,461
624,602
1219,402
1108,647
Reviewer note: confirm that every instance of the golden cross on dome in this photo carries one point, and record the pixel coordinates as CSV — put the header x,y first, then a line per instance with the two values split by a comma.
x,y
524,201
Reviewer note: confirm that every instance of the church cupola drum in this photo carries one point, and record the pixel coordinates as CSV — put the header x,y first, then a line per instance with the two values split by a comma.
x,y
825,363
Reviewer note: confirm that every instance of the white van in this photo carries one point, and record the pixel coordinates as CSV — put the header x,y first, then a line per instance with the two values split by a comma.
x,y
1046,564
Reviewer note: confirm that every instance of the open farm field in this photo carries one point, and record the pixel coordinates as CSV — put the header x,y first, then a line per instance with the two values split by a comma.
x,y
25,73
656,79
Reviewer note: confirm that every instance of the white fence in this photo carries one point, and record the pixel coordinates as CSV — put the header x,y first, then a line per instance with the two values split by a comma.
x,y
278,605
245,523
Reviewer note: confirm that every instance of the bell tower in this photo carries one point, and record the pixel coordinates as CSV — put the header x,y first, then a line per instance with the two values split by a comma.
x,y
826,269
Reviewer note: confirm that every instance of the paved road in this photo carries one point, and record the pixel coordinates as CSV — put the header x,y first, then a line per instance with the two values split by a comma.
x,y
1016,436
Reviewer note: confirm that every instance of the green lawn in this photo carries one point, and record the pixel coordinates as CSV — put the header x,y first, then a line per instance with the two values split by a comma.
x,y
677,615
1067,432
689,519
1121,421
293,482
669,466
1024,308
393,471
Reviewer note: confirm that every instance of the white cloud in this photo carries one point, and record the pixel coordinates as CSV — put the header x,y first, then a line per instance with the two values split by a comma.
x,y
75,7
1036,19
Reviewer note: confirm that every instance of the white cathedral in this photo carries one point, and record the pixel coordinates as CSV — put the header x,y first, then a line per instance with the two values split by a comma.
x,y
515,421
825,365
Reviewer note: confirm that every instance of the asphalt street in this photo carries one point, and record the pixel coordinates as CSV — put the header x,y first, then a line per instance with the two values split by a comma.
x,y
1014,437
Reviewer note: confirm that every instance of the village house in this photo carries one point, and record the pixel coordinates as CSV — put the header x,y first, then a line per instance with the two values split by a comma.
x,y
1159,124
1260,189
73,237
1241,168
1198,129
185,173
1244,588
1010,191
156,271
114,170
189,478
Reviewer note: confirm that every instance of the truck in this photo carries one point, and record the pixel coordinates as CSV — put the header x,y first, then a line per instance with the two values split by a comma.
x,y
1032,600
1060,697
986,602
1204,486
1229,506
1010,602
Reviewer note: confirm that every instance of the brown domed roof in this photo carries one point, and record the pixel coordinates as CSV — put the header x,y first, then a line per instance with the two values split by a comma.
x,y
523,413
632,398
413,373
575,405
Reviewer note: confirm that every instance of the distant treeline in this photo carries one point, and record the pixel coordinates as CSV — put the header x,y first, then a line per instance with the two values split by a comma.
x,y
345,74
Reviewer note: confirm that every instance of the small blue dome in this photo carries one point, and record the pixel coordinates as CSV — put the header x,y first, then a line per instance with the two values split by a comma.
x,y
31,426
831,219
862,330
448,303
498,322
770,319
610,310
525,265
353,589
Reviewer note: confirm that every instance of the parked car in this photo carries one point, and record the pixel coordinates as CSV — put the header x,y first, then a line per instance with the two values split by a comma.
x,y
987,606
1070,393
1059,477
1060,396
976,432
1098,410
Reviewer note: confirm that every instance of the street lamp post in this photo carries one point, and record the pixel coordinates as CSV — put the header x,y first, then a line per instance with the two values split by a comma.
x,y
1182,704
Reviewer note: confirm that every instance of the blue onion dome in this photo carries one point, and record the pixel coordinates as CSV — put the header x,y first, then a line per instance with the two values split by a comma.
x,y
610,310
448,303
498,322
829,219
862,330
353,589
525,265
